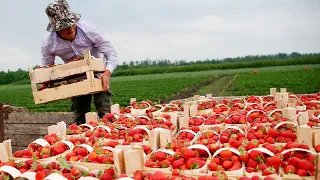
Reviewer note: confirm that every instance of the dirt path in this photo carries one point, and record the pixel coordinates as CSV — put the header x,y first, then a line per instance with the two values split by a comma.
x,y
215,86
218,87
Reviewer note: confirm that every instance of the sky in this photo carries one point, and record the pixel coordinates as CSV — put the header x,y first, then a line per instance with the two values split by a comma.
x,y
169,29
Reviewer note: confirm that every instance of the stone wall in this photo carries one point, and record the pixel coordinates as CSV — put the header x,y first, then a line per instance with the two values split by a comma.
x,y
24,127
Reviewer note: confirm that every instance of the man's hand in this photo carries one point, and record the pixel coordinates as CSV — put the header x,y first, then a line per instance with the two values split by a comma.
x,y
105,77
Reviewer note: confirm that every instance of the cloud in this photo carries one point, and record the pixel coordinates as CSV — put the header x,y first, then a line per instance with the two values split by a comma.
x,y
171,29
13,58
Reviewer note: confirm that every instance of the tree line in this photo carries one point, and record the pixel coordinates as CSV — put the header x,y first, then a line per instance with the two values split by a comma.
x,y
167,66
167,62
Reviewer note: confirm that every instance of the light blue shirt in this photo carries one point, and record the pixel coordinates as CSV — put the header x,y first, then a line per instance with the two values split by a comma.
x,y
87,37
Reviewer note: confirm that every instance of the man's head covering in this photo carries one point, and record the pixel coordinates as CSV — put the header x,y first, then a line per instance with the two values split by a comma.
x,y
60,16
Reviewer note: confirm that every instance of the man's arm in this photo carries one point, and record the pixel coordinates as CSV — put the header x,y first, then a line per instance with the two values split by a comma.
x,y
47,58
110,56
105,47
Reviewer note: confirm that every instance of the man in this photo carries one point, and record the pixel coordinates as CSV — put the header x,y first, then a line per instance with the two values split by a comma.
x,y
68,37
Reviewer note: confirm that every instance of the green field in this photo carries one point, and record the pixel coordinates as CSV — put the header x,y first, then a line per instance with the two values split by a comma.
x,y
162,86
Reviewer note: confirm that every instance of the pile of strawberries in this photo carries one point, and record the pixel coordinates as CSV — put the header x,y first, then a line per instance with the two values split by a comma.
x,y
254,141
225,161
36,151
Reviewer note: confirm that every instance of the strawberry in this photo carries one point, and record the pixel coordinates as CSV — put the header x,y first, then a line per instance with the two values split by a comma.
x,y
138,175
106,176
188,153
317,148
252,163
225,155
303,146
302,172
274,161
192,163
46,150
244,178
17,154
273,133
40,175
262,167
177,164
75,172
82,151
158,175
227,164
58,149
92,156
256,155
268,171
212,166
270,140
244,156
305,165
268,178
289,169
235,159
293,161
175,172
159,156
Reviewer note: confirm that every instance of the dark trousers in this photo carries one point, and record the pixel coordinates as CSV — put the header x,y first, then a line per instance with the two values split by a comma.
x,y
82,104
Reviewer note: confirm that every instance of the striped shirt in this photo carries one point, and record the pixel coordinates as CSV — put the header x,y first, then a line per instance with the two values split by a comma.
x,y
87,37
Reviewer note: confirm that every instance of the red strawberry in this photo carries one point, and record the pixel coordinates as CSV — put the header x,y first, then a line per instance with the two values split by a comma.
x,y
274,161
68,176
106,176
138,175
40,175
252,163
227,165
273,133
262,167
244,156
159,156
293,161
189,153
225,155
82,151
268,178
212,166
177,164
235,159
192,163
57,150
268,171
305,165
303,146
75,172
302,172
158,175
244,178
255,177
270,140
289,169
175,172
317,148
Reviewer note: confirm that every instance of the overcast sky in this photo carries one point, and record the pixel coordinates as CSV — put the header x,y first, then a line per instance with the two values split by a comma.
x,y
171,29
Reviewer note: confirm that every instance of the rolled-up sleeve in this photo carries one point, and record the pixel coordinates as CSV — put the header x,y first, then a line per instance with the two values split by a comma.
x,y
104,46
47,57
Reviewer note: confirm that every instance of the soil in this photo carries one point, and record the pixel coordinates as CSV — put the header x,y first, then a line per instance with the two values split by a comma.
x,y
214,86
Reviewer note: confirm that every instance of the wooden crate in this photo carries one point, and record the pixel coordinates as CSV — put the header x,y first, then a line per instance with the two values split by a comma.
x,y
89,63
90,85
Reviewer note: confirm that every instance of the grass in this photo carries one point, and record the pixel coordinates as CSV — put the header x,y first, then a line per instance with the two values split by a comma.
x,y
298,81
162,86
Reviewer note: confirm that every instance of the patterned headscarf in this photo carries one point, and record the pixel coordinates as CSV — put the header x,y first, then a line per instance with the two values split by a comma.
x,y
60,16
